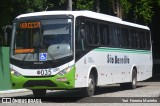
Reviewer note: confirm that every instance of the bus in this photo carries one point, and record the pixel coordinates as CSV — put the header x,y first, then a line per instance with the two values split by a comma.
x,y
62,50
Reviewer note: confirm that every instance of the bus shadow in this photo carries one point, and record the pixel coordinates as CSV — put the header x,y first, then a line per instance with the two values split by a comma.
x,y
68,96
75,96
113,89
154,78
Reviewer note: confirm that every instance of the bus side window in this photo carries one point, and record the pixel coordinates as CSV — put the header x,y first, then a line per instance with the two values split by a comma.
x,y
116,36
104,35
125,37
80,35
141,35
133,34
147,40
92,33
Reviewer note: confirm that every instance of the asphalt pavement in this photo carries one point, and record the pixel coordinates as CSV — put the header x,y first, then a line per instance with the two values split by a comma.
x,y
147,91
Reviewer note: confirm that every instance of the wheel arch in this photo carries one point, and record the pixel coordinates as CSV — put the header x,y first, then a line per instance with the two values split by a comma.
x,y
94,71
133,67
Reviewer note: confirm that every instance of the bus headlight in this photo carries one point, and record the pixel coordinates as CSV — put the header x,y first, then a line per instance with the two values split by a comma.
x,y
65,71
14,72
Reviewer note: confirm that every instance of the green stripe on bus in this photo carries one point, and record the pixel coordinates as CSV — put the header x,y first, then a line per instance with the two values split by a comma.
x,y
122,50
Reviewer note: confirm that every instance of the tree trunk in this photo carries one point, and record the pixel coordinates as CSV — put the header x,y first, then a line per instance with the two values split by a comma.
x,y
96,6
117,8
69,7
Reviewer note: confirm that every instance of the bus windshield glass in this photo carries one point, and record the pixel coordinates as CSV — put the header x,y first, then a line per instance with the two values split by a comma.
x,y
42,40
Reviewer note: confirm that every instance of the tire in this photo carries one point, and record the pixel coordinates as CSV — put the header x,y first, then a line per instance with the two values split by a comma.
x,y
133,83
89,91
39,92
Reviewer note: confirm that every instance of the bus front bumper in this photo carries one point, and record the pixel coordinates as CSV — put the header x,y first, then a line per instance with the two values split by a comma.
x,y
66,81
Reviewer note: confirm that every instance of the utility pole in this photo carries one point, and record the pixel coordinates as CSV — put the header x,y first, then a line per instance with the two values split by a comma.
x,y
69,7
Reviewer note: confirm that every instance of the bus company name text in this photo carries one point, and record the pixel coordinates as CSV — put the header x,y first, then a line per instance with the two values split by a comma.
x,y
117,60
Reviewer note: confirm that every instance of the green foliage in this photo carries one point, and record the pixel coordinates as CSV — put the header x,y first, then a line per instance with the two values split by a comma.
x,y
35,5
143,10
139,11
85,4
126,6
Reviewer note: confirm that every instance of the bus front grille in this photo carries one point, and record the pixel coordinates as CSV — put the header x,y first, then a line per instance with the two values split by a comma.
x,y
32,83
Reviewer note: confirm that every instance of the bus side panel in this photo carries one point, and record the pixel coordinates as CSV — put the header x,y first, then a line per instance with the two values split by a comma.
x,y
113,65
143,63
81,74
108,72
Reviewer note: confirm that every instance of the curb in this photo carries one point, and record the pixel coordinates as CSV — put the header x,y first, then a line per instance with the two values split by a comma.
x,y
14,91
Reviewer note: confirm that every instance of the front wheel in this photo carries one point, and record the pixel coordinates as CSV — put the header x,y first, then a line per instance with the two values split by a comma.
x,y
39,92
89,91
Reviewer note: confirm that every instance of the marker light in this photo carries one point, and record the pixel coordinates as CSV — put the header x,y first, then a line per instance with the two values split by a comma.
x,y
65,71
14,72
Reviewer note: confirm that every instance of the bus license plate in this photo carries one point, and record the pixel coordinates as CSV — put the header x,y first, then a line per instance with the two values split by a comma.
x,y
44,72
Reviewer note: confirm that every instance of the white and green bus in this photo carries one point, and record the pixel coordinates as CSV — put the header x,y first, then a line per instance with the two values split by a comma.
x,y
55,50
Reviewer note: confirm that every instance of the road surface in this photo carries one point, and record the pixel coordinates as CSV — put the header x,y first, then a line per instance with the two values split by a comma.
x,y
105,94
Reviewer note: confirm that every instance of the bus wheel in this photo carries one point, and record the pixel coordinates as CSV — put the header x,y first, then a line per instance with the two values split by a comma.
x,y
39,92
134,79
89,91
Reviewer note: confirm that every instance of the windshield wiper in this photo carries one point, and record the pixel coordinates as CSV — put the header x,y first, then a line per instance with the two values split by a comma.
x,y
24,58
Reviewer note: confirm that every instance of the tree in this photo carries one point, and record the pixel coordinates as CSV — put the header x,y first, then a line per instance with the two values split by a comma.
x,y
138,11
96,6
84,5
116,8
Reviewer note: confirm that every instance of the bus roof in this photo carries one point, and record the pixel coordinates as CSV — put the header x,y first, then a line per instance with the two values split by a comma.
x,y
85,13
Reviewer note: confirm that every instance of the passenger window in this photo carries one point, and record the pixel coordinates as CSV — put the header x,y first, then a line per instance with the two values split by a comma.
x,y
92,33
104,34
115,36
125,37
147,40
133,34
141,35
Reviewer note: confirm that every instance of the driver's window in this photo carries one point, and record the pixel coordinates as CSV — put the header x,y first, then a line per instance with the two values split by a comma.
x,y
80,35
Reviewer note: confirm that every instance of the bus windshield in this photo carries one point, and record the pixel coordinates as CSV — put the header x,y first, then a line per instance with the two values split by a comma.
x,y
42,40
